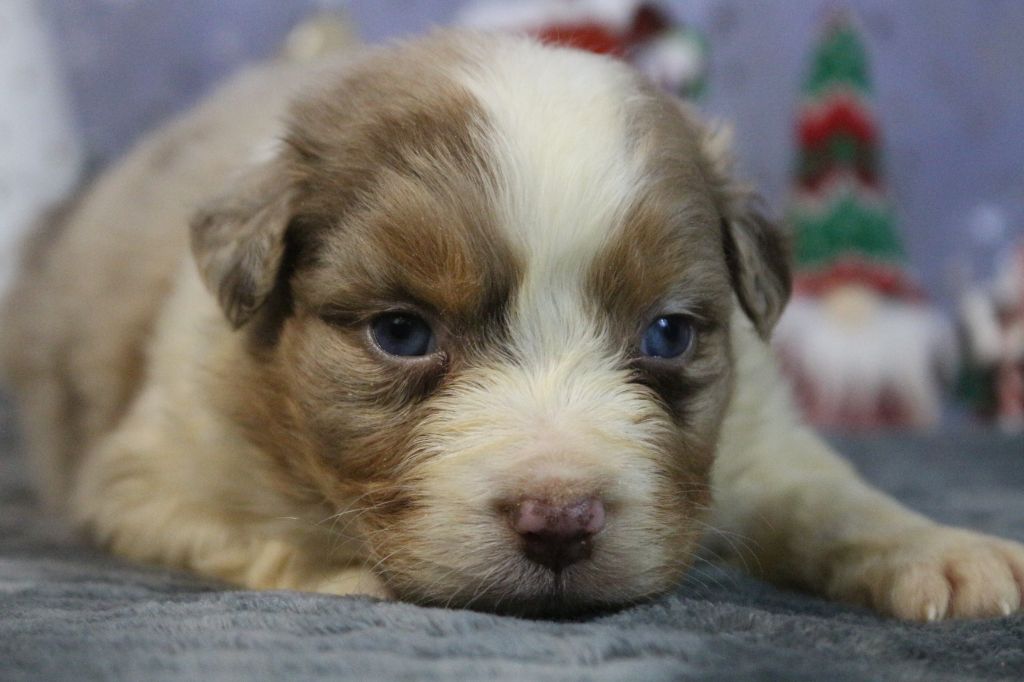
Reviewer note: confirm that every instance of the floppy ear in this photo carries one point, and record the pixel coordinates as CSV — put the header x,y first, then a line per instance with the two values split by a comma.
x,y
758,256
756,250
238,240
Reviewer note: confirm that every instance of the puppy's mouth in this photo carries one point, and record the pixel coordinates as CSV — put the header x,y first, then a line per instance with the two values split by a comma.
x,y
545,594
565,594
519,586
556,597
538,556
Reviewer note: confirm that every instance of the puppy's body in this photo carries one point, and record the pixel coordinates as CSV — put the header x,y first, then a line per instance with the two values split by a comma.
x,y
538,207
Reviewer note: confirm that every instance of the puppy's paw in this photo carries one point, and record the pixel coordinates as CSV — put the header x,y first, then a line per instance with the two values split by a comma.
x,y
935,573
354,581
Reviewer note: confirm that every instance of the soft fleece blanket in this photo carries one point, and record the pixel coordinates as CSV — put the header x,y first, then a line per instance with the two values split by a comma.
x,y
68,611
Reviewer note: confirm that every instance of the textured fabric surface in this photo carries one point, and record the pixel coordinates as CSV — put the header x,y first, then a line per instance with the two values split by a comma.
x,y
70,612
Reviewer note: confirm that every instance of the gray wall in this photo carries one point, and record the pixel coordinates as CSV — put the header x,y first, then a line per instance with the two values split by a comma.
x,y
949,86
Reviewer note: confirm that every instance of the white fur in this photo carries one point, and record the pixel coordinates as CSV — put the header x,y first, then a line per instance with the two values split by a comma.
x,y
558,129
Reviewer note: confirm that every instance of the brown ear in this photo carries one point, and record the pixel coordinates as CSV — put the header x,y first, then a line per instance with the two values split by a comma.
x,y
756,250
238,240
758,256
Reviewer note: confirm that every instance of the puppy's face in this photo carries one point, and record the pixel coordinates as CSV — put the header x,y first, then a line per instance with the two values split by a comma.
x,y
487,289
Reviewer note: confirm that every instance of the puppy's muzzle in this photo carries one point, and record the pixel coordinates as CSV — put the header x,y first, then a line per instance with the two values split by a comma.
x,y
557,535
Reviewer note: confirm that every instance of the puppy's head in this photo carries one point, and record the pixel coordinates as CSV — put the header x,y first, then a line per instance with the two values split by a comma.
x,y
487,286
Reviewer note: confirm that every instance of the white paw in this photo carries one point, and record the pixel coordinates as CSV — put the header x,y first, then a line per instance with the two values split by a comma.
x,y
935,573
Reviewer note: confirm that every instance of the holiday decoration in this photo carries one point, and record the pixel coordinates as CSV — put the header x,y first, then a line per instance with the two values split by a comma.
x,y
321,34
672,55
991,320
859,339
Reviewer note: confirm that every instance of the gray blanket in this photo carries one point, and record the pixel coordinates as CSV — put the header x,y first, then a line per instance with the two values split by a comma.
x,y
70,612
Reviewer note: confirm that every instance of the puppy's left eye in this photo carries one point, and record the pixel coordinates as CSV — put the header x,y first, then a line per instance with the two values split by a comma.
x,y
402,334
669,336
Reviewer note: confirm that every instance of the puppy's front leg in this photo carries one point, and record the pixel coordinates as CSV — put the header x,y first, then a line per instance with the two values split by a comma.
x,y
278,565
809,519
179,498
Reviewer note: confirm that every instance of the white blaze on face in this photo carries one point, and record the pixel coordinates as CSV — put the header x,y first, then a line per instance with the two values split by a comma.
x,y
557,133
559,140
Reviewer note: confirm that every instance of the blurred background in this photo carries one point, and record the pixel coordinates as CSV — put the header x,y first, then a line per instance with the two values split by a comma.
x,y
81,80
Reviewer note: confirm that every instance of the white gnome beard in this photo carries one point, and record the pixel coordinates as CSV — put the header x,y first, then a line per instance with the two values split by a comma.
x,y
861,360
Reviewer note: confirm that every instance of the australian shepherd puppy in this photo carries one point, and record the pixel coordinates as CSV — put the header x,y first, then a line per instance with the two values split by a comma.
x,y
470,321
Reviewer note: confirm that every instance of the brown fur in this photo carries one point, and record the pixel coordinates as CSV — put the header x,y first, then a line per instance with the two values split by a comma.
x,y
333,411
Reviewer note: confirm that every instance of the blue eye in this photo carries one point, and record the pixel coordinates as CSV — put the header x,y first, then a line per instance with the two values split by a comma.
x,y
668,336
402,334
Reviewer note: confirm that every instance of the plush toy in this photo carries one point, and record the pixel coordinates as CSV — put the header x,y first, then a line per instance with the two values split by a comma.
x,y
991,320
859,339
672,55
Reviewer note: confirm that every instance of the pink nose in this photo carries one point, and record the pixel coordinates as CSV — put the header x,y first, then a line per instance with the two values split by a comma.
x,y
557,535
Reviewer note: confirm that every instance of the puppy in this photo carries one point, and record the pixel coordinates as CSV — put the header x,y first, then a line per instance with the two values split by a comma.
x,y
470,321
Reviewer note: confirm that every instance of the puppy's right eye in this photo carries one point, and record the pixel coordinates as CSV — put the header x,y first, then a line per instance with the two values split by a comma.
x,y
402,334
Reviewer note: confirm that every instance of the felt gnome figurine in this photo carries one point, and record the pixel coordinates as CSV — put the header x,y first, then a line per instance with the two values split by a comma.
x,y
860,342
673,56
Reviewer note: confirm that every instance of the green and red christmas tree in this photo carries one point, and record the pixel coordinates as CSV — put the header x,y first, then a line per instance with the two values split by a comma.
x,y
844,225
859,338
